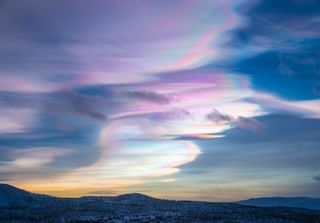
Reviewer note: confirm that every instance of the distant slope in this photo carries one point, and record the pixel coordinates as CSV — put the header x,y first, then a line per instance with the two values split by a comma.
x,y
298,202
14,197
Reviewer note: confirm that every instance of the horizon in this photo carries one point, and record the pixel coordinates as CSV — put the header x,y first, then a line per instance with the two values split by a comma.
x,y
161,198
178,99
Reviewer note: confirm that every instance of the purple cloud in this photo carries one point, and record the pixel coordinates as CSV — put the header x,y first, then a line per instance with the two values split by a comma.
x,y
147,96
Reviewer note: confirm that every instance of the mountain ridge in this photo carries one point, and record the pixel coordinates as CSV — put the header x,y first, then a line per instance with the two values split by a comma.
x,y
17,205
291,201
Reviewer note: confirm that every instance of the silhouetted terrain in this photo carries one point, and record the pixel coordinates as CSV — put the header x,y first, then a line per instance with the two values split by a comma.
x,y
21,206
297,202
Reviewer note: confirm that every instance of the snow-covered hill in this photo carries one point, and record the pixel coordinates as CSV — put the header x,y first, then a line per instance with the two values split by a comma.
x,y
17,205
13,197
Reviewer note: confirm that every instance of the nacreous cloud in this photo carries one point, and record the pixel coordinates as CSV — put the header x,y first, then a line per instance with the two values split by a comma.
x,y
81,43
103,95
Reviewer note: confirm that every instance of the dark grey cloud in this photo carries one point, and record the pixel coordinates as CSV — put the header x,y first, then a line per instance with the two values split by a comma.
x,y
149,96
241,122
317,178
286,142
249,123
21,100
217,117
279,128
87,105
58,105
286,149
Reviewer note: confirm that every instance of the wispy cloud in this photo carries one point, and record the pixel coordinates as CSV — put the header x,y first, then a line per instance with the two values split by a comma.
x,y
149,96
35,157
32,163
274,104
16,119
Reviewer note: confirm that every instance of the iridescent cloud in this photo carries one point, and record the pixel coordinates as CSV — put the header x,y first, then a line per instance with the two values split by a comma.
x,y
110,96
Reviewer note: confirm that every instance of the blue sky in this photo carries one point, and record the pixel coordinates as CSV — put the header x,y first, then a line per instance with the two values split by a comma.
x,y
183,99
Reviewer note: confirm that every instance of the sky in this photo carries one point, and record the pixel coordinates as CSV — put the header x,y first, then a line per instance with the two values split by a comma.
x,y
214,100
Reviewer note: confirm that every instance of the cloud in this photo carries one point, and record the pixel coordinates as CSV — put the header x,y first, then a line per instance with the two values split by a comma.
x,y
85,105
216,117
274,104
34,157
317,178
23,100
32,164
280,128
3,179
242,122
128,160
168,180
249,123
82,104
102,192
15,120
69,54
148,96
195,136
